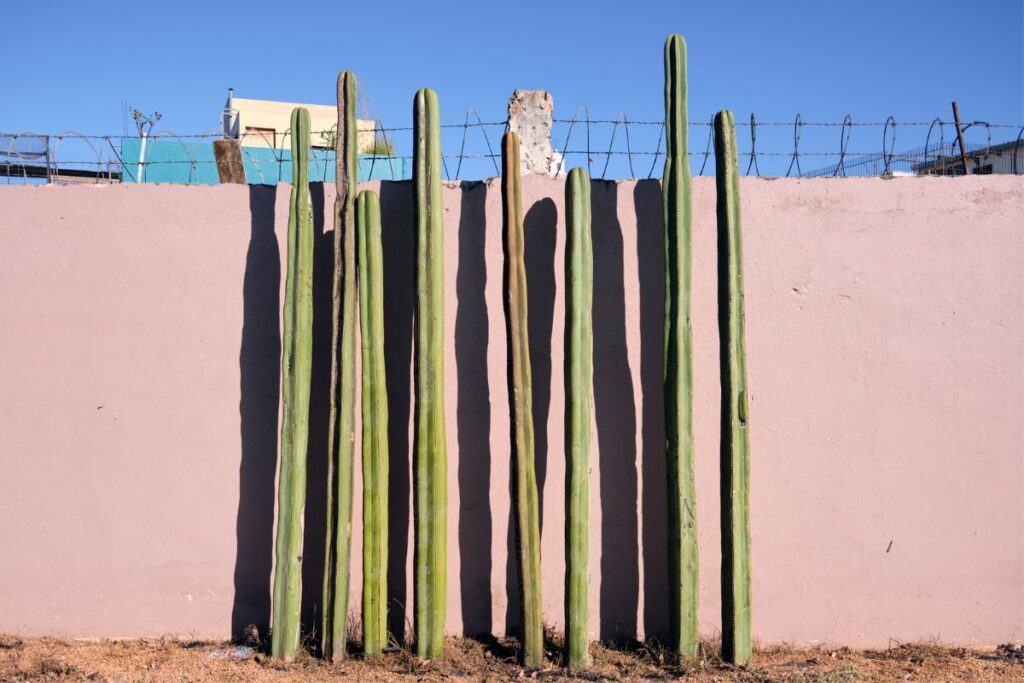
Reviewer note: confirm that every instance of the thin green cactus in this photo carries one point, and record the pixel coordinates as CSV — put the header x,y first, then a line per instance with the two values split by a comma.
x,y
375,424
579,350
341,435
682,532
735,449
296,364
520,394
431,454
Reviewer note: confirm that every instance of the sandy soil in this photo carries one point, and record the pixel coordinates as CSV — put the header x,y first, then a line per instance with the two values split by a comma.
x,y
44,659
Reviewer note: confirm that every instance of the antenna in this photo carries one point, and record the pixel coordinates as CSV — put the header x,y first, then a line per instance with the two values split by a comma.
x,y
144,124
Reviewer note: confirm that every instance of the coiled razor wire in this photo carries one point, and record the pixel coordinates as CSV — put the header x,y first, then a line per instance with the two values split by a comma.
x,y
611,144
888,150
844,140
629,150
796,147
568,136
378,126
707,148
387,145
657,150
462,145
624,120
988,133
49,158
942,138
753,147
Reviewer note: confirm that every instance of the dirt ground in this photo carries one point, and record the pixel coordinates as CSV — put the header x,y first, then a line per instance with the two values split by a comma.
x,y
47,659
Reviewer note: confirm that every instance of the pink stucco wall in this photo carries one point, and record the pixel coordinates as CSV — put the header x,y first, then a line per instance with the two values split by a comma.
x,y
885,323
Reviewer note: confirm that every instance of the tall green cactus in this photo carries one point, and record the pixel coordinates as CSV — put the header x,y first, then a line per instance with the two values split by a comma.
x,y
579,352
682,532
375,424
521,396
296,363
735,449
341,435
431,453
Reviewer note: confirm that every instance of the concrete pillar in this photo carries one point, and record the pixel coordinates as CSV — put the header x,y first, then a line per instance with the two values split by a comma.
x,y
530,114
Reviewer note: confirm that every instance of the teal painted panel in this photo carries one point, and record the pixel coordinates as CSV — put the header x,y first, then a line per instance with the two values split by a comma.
x,y
193,163
169,161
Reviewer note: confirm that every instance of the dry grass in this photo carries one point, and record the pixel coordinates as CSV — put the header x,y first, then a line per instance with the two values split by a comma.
x,y
47,659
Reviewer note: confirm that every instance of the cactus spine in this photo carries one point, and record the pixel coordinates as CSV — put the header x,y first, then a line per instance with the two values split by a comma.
x,y
520,394
735,449
579,334
431,456
682,533
375,424
296,363
341,435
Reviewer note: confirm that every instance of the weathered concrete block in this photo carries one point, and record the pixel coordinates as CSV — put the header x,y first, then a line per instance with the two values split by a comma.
x,y
530,114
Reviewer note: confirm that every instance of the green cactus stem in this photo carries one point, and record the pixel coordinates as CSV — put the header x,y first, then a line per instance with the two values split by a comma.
x,y
735,449
521,398
341,435
296,364
682,532
375,424
579,352
431,454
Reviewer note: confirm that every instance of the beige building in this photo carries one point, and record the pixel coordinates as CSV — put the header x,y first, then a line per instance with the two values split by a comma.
x,y
264,123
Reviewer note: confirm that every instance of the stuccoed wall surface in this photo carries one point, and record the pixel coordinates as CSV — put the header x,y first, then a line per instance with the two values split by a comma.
x,y
139,422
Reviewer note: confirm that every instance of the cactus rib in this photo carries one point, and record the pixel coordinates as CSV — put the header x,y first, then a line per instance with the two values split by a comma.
x,y
341,434
520,395
296,364
676,198
375,424
735,449
579,268
431,459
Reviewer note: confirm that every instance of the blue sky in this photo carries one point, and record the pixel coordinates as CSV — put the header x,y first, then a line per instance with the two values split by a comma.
x,y
70,65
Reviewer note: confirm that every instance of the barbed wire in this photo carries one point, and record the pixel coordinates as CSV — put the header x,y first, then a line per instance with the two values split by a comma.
x,y
70,155
742,124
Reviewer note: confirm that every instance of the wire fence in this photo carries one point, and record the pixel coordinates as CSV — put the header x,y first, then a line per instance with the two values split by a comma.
x,y
611,148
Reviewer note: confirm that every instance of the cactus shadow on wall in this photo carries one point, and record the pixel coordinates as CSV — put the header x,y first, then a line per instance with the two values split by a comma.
x,y
540,226
398,246
473,414
259,361
615,415
259,407
315,517
650,225
614,397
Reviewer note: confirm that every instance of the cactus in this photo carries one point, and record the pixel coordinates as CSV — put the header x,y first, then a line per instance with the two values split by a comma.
x,y
296,363
579,335
341,434
735,449
375,424
431,456
520,396
682,533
